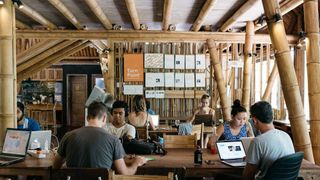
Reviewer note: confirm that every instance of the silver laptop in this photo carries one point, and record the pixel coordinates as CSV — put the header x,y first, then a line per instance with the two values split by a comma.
x,y
43,137
15,146
232,153
155,120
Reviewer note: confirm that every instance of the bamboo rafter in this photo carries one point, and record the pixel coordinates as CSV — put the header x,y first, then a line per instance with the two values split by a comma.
x,y
167,11
97,10
133,14
207,7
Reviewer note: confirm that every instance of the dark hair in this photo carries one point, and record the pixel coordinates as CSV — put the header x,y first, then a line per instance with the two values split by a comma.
x,y
262,110
237,108
121,104
139,103
147,104
205,96
20,106
96,110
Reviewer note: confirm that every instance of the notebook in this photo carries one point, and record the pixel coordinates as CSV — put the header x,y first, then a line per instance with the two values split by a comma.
x,y
246,141
42,137
206,119
155,120
231,153
15,146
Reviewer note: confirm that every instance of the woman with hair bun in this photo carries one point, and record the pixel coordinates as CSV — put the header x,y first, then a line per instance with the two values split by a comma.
x,y
236,128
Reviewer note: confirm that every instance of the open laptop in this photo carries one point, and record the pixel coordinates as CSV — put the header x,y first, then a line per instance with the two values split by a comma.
x,y
155,120
246,141
206,119
232,153
15,146
41,137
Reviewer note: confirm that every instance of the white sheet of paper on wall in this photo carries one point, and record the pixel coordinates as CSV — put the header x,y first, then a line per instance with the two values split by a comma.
x,y
154,79
189,79
200,80
200,61
154,60
150,94
159,94
179,61
179,80
132,89
190,61
169,61
169,79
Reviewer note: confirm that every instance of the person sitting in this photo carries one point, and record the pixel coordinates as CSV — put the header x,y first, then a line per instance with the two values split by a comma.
x,y
235,129
140,117
25,122
92,147
149,110
119,127
267,147
203,108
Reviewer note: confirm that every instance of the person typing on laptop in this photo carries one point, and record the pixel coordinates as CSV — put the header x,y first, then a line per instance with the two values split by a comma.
x,y
93,147
25,122
203,108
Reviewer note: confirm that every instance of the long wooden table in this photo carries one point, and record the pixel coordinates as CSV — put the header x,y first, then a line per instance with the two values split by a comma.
x,y
176,160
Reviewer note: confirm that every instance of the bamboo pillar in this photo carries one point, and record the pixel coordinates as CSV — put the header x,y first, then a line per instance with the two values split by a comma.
x,y
215,62
247,65
288,79
299,63
109,76
311,20
271,79
7,68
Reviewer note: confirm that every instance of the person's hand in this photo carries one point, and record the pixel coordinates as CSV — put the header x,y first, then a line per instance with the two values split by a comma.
x,y
140,160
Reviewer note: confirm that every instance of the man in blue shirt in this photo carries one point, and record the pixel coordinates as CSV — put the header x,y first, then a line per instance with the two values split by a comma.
x,y
25,122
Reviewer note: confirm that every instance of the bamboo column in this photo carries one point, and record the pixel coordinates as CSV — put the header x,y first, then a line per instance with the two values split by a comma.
x,y
299,63
109,75
215,62
271,79
288,79
7,68
247,65
311,20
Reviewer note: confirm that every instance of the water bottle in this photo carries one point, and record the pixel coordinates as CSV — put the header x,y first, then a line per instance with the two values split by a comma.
x,y
198,156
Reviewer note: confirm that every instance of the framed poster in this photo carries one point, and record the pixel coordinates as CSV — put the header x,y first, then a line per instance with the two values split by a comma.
x,y
200,61
179,80
190,59
133,67
169,61
154,60
154,80
179,61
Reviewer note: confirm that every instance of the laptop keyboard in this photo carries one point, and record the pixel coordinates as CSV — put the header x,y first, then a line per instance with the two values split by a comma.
x,y
7,158
235,160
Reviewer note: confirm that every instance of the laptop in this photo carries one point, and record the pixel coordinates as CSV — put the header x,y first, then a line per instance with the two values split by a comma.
x,y
246,141
15,146
231,153
155,120
206,119
41,137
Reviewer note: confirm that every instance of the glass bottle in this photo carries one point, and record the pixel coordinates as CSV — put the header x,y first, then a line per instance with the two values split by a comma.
x,y
198,156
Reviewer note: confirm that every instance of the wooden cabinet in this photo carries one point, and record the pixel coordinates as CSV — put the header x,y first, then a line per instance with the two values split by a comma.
x,y
49,74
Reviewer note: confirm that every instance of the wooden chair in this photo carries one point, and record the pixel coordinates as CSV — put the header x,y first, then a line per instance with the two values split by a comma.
x,y
180,141
80,174
113,176
142,132
198,130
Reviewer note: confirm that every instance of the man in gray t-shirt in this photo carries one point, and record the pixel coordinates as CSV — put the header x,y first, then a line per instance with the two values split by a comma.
x,y
93,147
271,145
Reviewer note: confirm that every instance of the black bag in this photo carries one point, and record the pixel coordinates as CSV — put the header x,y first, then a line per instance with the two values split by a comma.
x,y
134,146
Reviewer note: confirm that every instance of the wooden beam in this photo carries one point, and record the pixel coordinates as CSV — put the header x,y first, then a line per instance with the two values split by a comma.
x,y
66,13
22,25
207,7
289,81
133,14
36,16
167,10
154,36
284,9
97,10
47,62
36,49
99,45
233,19
30,62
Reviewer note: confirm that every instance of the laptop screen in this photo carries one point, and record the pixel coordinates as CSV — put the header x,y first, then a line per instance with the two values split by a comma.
x,y
155,120
206,119
41,137
16,142
230,150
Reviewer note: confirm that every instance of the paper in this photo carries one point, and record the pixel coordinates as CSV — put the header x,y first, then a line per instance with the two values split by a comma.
x,y
154,80
200,61
169,79
200,80
189,77
159,94
133,89
169,61
150,94
179,80
190,59
154,60
179,61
